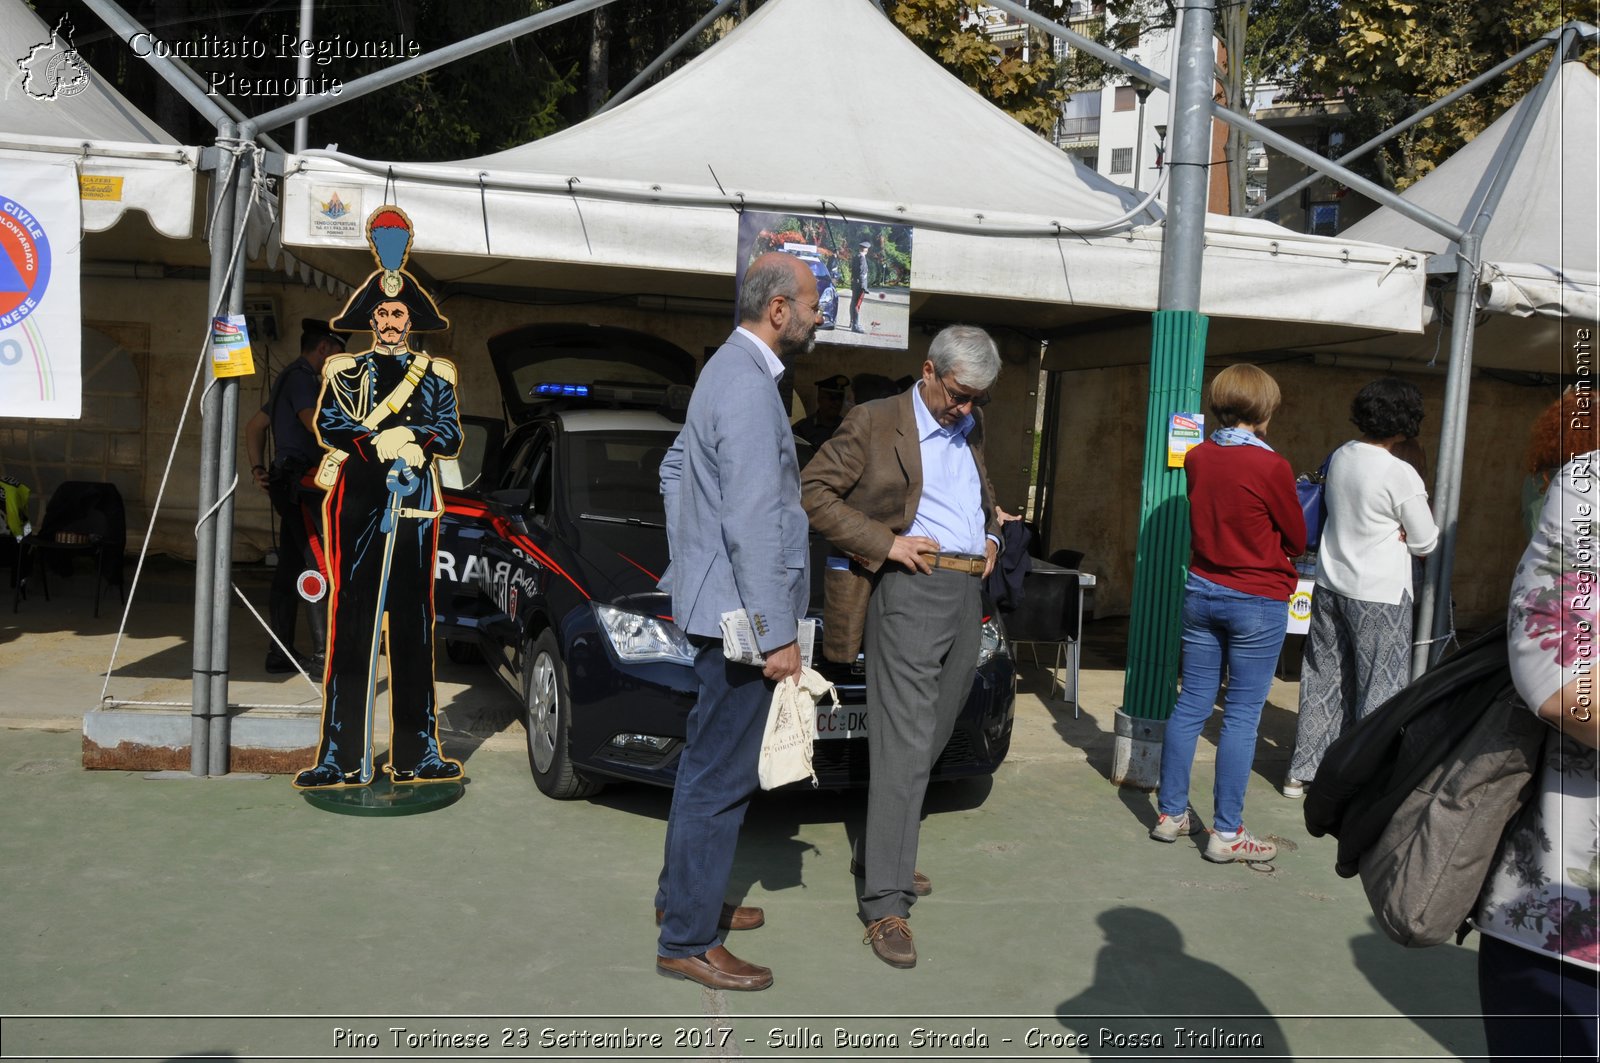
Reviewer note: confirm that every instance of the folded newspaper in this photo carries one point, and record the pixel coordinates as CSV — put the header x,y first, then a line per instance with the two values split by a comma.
x,y
739,641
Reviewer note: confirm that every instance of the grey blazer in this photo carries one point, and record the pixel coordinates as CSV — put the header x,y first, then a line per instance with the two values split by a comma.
x,y
735,529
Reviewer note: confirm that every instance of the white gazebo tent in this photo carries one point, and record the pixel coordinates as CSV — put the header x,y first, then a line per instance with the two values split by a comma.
x,y
642,197
1008,229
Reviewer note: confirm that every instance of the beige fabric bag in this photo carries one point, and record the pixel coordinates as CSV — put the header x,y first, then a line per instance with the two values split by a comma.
x,y
791,728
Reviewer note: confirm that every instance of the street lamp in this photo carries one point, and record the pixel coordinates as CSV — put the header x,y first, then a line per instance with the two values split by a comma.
x,y
1161,146
1143,92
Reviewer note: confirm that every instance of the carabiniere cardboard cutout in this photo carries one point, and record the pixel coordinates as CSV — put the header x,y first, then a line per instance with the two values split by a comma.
x,y
386,416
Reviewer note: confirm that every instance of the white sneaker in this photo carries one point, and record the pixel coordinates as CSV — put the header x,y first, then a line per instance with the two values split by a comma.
x,y
1293,788
1171,828
1242,846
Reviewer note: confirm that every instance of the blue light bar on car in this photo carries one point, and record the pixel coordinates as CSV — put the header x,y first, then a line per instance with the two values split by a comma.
x,y
568,390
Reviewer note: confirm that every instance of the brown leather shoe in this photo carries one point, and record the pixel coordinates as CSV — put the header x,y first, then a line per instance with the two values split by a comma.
x,y
890,939
733,917
715,969
921,884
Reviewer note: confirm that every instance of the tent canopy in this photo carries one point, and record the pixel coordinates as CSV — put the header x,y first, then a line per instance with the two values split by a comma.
x,y
1540,249
824,107
54,102
1548,213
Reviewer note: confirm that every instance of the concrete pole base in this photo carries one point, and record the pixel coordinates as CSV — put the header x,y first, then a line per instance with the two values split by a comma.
x,y
1136,757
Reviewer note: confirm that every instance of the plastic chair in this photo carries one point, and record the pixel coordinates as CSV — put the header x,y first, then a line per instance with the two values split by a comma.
x,y
81,518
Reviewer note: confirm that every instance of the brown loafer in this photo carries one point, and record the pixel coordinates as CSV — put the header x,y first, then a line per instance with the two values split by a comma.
x,y
716,969
890,939
733,917
921,884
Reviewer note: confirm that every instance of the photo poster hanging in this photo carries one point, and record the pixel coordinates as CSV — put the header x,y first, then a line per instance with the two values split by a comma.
x,y
863,271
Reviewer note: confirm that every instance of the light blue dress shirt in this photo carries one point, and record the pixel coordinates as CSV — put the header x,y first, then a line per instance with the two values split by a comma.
x,y
951,509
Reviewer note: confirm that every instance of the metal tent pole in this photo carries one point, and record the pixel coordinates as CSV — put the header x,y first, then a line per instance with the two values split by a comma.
x,y
126,27
302,69
661,60
1427,112
1177,361
1435,596
393,75
1267,136
206,537
226,481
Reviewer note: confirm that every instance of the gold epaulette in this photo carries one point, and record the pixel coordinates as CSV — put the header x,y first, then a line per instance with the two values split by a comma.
x,y
338,363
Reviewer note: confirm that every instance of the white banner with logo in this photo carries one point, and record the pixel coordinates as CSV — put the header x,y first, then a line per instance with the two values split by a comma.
x,y
40,330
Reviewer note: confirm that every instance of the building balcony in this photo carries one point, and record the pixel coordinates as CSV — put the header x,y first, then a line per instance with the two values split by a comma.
x,y
1076,130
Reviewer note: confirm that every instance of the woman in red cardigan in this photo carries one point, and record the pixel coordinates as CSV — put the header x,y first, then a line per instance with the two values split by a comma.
x,y
1245,524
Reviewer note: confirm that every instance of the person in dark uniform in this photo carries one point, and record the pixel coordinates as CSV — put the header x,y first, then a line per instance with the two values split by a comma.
x,y
391,412
829,414
858,284
290,415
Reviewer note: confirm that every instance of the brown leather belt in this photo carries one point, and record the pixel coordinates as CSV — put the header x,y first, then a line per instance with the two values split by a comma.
x,y
971,564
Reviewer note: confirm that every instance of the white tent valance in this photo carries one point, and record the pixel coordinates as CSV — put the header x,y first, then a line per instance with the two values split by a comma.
x,y
116,177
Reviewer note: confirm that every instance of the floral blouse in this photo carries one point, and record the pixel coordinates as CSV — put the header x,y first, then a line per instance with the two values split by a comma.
x,y
1544,892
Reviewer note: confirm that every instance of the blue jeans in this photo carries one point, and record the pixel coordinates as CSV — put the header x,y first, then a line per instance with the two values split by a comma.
x,y
717,774
1244,632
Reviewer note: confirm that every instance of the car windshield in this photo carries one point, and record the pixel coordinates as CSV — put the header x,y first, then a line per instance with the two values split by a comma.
x,y
616,476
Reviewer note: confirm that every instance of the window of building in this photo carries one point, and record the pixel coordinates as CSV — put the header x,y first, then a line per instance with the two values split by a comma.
x,y
1121,160
1125,98
1080,116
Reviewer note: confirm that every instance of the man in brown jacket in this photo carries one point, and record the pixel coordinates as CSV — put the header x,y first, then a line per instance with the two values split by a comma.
x,y
900,490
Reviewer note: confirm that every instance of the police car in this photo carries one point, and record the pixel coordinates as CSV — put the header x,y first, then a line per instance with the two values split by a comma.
x,y
827,294
550,549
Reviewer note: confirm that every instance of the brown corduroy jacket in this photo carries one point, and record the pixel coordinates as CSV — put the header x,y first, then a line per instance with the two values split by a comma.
x,y
860,491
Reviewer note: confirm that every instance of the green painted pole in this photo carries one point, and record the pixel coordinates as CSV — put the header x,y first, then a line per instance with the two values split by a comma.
x,y
1177,360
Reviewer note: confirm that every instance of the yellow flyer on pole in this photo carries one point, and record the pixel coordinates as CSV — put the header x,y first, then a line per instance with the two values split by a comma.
x,y
230,347
1185,431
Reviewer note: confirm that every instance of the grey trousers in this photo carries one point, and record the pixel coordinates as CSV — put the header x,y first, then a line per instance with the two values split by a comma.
x,y
1357,656
922,639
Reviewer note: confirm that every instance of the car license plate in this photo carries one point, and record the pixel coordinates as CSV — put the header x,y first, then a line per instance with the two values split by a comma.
x,y
847,721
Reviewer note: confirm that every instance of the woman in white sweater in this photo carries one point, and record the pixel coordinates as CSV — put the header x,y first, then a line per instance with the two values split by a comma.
x,y
1358,648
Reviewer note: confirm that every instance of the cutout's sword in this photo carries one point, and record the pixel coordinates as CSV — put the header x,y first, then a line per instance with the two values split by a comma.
x,y
402,482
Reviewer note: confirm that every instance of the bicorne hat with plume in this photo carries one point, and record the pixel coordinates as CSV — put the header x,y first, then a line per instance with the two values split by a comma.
x,y
389,236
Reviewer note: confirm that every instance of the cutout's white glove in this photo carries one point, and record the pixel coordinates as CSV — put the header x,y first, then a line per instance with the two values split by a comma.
x,y
389,441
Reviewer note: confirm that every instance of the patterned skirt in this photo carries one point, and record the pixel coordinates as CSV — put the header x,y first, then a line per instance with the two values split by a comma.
x,y
1357,656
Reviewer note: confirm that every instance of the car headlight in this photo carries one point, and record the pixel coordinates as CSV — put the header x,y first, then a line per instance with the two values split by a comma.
x,y
991,643
637,637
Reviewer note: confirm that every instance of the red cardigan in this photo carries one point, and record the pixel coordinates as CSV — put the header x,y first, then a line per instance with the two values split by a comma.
x,y
1244,519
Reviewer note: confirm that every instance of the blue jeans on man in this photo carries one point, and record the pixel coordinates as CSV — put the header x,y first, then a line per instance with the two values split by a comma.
x,y
717,775
1242,633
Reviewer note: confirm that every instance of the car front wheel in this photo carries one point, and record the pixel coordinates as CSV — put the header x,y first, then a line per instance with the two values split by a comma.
x,y
548,718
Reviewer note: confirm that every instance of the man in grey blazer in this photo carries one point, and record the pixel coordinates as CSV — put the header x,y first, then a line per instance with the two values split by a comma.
x,y
738,540
903,481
